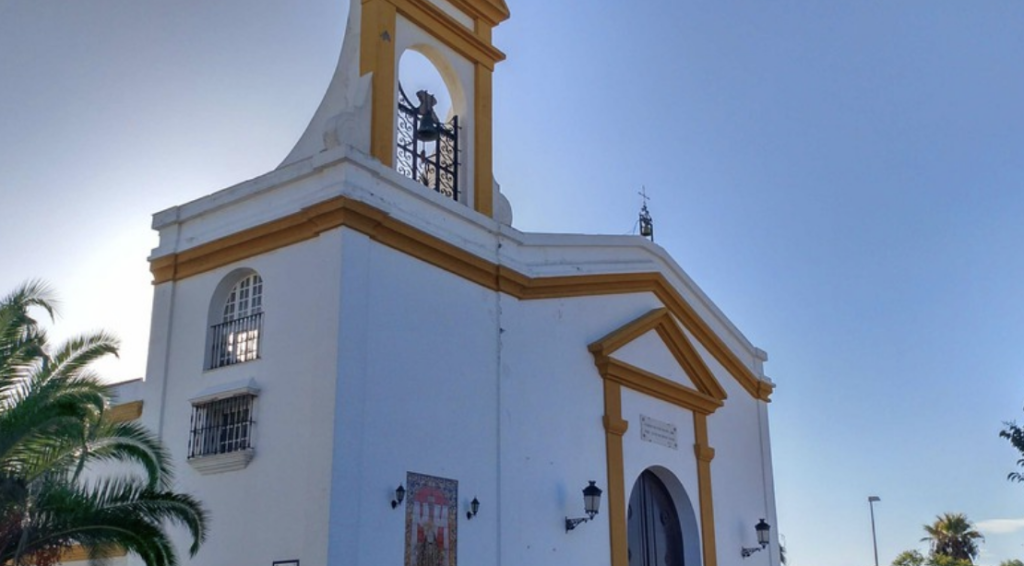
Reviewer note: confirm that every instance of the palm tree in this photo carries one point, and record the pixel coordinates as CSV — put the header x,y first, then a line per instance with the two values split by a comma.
x,y
954,536
54,429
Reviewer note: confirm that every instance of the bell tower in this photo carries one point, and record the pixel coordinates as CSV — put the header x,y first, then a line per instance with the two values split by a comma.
x,y
364,104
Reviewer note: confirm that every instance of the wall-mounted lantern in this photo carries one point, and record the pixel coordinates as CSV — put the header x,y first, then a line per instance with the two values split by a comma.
x,y
474,507
399,496
763,530
591,504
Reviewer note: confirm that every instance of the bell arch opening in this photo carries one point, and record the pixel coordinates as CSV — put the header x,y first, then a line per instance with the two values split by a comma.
x,y
661,525
430,102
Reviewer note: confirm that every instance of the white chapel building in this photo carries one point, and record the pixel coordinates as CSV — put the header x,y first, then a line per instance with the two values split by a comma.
x,y
356,360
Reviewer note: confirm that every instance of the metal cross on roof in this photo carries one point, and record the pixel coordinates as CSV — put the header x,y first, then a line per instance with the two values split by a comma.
x,y
646,222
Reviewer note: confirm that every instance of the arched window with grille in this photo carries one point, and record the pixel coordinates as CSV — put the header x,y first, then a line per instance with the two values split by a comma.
x,y
235,334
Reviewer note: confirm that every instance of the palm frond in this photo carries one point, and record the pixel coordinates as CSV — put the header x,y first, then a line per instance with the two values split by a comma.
x,y
21,340
55,441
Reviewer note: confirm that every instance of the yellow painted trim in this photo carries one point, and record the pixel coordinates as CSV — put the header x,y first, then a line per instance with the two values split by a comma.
x,y
79,553
615,427
377,56
572,286
376,224
657,386
617,374
493,12
705,453
471,44
483,154
125,412
484,30
660,320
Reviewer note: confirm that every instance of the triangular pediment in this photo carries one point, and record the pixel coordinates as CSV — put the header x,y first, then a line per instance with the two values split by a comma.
x,y
654,354
650,353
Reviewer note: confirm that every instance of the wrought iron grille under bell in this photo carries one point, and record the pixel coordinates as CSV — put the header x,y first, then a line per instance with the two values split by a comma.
x,y
427,149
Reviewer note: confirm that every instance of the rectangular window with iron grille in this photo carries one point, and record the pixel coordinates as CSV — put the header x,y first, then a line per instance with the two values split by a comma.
x,y
222,426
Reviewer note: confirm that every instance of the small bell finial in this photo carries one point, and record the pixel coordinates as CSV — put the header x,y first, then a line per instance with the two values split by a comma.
x,y
429,127
646,222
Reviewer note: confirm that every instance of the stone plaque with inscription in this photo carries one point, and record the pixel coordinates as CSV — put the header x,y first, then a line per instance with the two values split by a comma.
x,y
658,432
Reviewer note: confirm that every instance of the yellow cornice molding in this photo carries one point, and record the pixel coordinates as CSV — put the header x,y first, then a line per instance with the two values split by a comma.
x,y
491,11
435,21
125,412
661,321
340,212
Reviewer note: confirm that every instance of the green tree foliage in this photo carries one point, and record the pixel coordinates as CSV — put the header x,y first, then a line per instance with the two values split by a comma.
x,y
941,560
953,536
909,558
915,558
53,431
1015,435
1014,562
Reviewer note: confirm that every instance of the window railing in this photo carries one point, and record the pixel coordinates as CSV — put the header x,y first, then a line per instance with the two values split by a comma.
x,y
235,341
221,426
434,164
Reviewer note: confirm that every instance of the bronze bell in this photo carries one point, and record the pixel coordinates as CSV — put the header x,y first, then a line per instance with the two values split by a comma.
x,y
429,128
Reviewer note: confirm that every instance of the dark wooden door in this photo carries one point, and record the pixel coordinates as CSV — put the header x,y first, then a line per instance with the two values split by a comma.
x,y
655,537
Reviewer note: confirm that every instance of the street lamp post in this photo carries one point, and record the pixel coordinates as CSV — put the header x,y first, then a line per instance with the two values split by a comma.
x,y
871,503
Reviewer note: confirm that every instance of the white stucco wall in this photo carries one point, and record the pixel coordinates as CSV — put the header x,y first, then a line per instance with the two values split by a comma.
x,y
277,507
421,390
416,393
374,364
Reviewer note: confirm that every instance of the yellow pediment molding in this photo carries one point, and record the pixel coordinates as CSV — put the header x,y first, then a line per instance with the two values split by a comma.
x,y
709,394
658,387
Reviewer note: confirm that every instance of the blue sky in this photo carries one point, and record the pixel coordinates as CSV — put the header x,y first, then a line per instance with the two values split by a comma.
x,y
844,179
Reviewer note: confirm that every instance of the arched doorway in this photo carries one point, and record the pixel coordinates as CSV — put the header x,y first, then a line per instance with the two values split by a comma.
x,y
655,534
